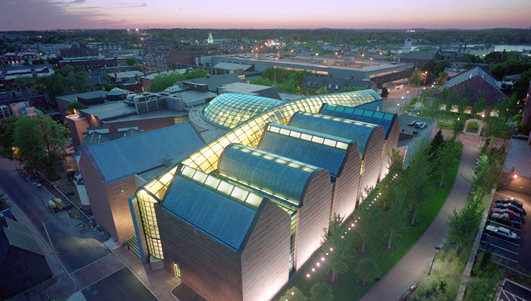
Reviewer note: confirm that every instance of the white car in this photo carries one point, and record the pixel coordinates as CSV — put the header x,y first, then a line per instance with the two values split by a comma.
x,y
503,232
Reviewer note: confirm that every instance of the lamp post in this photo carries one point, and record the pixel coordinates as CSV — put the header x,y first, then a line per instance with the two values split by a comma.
x,y
437,248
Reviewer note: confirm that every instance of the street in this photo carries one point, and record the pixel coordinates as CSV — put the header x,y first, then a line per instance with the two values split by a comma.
x,y
75,252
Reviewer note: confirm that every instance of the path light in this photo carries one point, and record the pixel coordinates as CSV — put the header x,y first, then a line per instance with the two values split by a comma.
x,y
515,176
331,249
318,264
308,275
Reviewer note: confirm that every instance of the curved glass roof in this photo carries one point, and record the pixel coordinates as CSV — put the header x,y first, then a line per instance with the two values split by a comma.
x,y
326,151
354,130
247,133
280,176
384,119
230,109
250,132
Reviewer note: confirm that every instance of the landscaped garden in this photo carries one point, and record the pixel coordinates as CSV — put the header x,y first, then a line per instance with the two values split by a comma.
x,y
361,250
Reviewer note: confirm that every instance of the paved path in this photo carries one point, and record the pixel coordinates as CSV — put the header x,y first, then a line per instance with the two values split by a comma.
x,y
415,262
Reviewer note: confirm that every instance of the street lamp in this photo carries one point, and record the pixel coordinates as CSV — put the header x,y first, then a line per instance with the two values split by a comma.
x,y
437,248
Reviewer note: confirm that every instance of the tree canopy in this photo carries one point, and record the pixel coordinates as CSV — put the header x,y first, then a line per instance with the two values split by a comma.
x,y
39,144
161,82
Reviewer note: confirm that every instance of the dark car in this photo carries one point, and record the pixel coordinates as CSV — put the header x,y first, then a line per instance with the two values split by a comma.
x,y
513,215
504,218
510,201
510,206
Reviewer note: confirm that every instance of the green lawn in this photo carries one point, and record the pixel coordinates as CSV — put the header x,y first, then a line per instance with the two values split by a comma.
x,y
349,288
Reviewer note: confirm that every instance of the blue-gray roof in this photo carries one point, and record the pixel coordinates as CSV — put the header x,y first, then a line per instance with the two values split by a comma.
x,y
384,119
357,131
318,154
273,173
127,156
223,219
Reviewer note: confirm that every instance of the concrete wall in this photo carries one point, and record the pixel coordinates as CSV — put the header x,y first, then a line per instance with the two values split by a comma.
x,y
313,217
265,259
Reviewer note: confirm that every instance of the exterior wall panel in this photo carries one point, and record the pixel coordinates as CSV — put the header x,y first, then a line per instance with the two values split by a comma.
x,y
117,193
99,203
347,184
390,144
313,217
265,259
208,267
372,160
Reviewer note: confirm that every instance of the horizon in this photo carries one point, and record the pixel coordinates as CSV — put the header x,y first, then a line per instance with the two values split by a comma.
x,y
25,15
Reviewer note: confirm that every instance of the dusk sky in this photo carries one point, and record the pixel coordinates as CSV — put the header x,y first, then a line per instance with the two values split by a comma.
x,y
64,14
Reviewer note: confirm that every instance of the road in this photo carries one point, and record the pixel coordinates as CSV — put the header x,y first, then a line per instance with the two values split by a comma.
x,y
75,252
416,261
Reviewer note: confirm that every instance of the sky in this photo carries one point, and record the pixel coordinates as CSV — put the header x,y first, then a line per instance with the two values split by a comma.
x,y
355,14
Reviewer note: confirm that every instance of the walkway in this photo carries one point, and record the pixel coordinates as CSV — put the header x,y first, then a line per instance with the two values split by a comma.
x,y
415,262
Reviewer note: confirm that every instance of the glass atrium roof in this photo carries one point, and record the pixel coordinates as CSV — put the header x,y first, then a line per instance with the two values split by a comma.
x,y
230,109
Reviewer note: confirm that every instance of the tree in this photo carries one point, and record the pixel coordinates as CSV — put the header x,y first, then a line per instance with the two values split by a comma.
x,y
335,240
39,144
321,292
437,141
415,79
459,124
394,219
367,269
7,128
293,294
446,156
463,224
131,61
75,105
363,226
417,178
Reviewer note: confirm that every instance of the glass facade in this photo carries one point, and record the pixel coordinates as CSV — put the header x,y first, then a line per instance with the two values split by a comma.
x,y
248,129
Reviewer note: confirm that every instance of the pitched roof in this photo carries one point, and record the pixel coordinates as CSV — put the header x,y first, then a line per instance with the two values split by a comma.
x,y
384,119
476,82
127,156
315,148
17,235
223,219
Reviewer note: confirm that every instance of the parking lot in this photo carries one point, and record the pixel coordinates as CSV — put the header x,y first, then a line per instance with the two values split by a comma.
x,y
510,249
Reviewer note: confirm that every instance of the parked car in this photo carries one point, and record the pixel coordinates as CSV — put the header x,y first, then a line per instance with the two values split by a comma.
x,y
510,201
512,214
502,232
504,218
510,206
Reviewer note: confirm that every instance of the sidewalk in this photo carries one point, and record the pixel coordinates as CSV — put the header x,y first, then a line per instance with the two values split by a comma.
x,y
415,262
